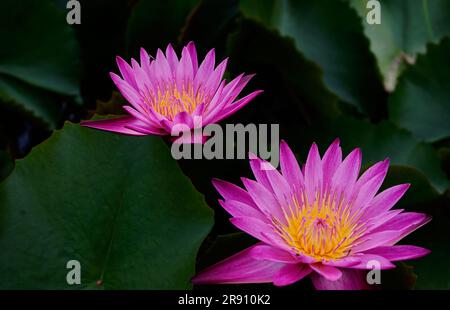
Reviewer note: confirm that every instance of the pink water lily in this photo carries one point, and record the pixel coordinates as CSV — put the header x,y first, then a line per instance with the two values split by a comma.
x,y
321,221
166,91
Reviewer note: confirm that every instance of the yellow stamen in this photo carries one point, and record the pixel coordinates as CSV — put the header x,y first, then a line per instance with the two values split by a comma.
x,y
170,101
324,229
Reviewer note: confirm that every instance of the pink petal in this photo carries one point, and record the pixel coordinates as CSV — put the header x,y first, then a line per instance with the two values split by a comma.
x,y
329,272
230,93
163,67
229,191
184,73
212,110
213,81
367,191
142,117
199,112
115,125
225,94
168,126
240,81
419,222
330,162
290,274
239,268
343,262
126,71
379,168
235,107
266,252
145,61
380,219
289,167
263,199
141,78
351,279
253,227
313,173
205,70
172,59
274,182
257,165
186,61
239,209
193,54
145,129
385,200
346,174
276,241
181,134
407,221
399,252
129,93
365,259
376,239
184,118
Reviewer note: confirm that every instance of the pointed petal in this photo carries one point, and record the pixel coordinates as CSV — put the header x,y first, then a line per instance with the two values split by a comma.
x,y
239,209
115,125
289,167
266,252
193,54
365,193
385,200
404,221
162,67
346,174
205,70
404,224
256,165
279,186
313,173
145,129
146,120
126,71
230,91
213,81
290,274
371,261
172,59
253,227
145,61
263,199
399,252
229,191
234,107
329,272
345,262
185,72
351,279
239,268
199,112
330,162
128,92
184,118
376,239
379,168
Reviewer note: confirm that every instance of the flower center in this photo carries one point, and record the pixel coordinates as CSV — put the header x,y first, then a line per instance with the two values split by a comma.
x,y
169,100
324,229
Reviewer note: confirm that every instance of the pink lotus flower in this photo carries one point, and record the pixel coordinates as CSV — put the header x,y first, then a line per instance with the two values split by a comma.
x,y
167,91
322,221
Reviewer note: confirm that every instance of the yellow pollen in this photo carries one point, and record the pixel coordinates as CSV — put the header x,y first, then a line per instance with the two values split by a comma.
x,y
169,100
325,229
